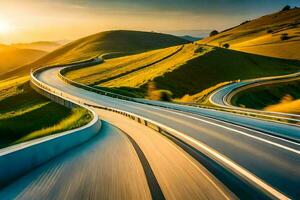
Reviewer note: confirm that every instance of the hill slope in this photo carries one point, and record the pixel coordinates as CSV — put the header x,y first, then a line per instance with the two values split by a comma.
x,y
265,35
121,41
13,58
189,71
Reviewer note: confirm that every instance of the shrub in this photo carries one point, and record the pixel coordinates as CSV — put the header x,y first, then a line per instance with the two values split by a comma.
x,y
161,95
165,95
226,45
285,8
214,32
269,31
284,36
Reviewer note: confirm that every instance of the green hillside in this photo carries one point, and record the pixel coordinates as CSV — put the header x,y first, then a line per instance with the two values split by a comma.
x,y
25,114
121,41
263,96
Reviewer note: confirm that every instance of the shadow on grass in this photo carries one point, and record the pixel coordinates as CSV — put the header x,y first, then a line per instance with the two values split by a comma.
x,y
19,125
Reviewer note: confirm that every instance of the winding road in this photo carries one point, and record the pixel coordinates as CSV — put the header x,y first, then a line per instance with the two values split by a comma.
x,y
127,160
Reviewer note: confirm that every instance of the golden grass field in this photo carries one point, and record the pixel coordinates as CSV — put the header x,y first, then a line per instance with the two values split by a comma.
x,y
116,66
263,35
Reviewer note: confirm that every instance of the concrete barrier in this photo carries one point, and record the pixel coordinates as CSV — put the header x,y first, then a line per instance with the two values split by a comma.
x,y
19,159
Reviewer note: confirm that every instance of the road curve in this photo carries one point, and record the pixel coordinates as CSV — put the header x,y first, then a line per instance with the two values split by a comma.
x,y
253,150
223,96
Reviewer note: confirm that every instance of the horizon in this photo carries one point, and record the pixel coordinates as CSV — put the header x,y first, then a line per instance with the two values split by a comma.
x,y
70,20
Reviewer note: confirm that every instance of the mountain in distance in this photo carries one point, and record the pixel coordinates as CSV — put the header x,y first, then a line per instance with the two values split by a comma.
x,y
47,46
190,38
198,33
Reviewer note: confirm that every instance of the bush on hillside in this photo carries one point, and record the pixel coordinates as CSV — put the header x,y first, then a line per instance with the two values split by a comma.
x,y
269,31
284,36
161,95
285,8
226,45
214,32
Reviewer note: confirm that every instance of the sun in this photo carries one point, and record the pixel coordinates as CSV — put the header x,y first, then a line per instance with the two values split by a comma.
x,y
4,27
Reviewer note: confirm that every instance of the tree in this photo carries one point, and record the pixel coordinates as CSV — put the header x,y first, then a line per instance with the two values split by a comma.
x,y
214,32
285,8
226,45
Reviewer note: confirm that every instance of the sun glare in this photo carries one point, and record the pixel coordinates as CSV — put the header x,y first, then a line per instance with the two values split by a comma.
x,y
4,27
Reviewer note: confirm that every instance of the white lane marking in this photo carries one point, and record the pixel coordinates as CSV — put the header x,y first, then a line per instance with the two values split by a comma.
x,y
231,164
237,131
235,125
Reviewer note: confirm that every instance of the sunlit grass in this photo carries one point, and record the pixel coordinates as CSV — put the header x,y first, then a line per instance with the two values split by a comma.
x,y
287,105
143,76
114,67
77,118
24,114
22,111
263,35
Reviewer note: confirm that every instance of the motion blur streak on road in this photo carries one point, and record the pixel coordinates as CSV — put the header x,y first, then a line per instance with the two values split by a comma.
x,y
179,175
94,170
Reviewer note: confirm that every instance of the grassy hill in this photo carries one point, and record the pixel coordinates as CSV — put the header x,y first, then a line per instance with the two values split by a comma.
x,y
275,35
189,71
13,58
25,115
123,42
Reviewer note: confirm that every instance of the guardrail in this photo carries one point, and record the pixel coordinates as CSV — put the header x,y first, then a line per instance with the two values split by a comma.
x,y
19,159
285,117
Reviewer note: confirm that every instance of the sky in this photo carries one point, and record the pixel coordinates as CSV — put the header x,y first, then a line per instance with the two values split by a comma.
x,y
55,20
